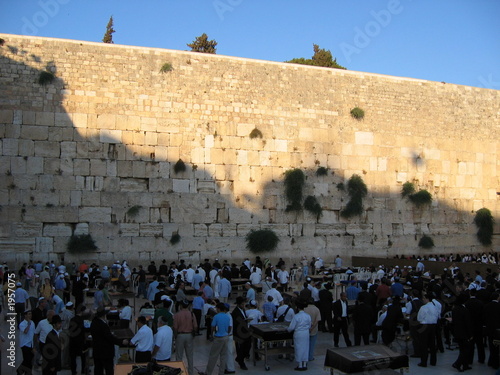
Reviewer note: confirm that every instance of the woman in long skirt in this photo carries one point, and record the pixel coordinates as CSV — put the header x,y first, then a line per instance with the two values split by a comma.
x,y
301,325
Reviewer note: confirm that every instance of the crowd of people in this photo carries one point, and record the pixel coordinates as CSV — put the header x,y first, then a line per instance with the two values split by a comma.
x,y
52,307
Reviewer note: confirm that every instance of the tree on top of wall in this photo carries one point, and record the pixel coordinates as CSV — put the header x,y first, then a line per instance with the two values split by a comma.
x,y
108,36
321,57
203,45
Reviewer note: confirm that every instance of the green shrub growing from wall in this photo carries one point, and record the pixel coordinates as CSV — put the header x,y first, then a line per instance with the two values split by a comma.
x,y
426,242
484,222
180,166
312,205
45,78
81,243
357,113
321,171
294,183
255,133
420,198
261,240
357,190
175,238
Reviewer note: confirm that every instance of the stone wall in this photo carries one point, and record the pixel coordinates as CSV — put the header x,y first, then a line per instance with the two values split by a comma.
x,y
81,154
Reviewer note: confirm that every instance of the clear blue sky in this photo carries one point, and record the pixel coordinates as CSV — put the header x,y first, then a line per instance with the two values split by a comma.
x,y
455,41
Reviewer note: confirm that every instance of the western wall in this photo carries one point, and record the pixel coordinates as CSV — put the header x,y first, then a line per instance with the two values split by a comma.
x,y
94,152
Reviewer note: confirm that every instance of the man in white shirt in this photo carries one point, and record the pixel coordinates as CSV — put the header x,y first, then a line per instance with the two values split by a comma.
x,y
43,328
26,342
283,277
338,262
163,338
276,296
143,341
253,313
428,317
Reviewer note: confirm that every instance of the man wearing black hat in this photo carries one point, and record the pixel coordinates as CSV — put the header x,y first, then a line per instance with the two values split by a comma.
x,y
51,353
103,344
462,323
241,332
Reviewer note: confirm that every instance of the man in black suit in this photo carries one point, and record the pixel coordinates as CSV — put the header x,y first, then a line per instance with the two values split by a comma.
x,y
362,318
51,353
476,309
103,344
462,331
341,320
492,323
241,332
325,308
390,323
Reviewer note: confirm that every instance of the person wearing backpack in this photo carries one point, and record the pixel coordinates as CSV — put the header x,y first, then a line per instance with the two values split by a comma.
x,y
285,312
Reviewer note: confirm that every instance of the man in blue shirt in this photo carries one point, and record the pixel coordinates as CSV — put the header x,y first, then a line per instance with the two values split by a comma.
x,y
221,328
397,288
352,291
198,303
224,289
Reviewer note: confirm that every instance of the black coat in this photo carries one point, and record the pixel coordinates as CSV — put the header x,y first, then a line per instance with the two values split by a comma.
x,y
462,323
103,341
77,333
476,310
363,318
393,317
241,332
337,310
51,353
492,317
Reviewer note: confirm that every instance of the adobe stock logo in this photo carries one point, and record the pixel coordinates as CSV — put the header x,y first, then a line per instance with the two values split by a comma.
x,y
49,9
364,36
223,6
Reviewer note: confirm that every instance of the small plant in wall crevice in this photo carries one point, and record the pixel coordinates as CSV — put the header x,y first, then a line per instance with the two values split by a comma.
x,y
357,190
175,238
167,67
357,113
81,243
180,166
419,198
321,171
312,205
426,242
133,211
294,183
45,78
484,221
255,133
261,240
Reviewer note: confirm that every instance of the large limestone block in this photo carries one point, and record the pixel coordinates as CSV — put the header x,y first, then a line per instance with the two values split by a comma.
x,y
240,216
330,229
95,214
58,230
193,209
28,229
181,186
17,245
148,230
51,214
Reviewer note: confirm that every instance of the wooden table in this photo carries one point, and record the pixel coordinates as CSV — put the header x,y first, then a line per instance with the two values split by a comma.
x,y
125,368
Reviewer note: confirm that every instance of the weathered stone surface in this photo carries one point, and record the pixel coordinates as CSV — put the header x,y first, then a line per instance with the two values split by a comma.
x,y
84,155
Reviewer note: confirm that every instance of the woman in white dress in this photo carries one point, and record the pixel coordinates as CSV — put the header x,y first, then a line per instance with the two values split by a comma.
x,y
300,325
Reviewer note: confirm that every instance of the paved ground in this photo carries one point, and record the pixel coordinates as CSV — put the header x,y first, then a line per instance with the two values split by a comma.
x,y
284,366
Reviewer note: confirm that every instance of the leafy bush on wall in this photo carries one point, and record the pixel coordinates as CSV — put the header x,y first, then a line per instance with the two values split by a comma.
x,y
261,240
357,190
81,243
484,222
294,183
